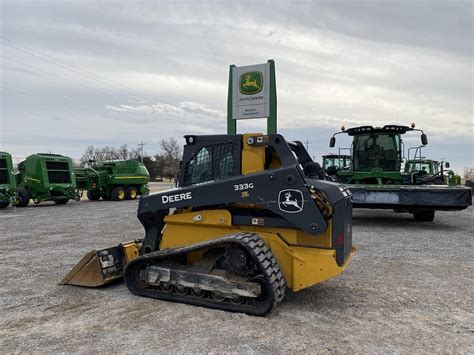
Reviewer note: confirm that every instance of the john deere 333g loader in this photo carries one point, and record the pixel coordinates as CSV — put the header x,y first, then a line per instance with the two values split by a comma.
x,y
247,221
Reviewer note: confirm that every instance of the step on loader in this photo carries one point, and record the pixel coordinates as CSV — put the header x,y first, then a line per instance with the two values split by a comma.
x,y
249,219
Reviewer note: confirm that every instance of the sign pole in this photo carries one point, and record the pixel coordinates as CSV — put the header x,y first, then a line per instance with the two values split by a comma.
x,y
272,117
231,123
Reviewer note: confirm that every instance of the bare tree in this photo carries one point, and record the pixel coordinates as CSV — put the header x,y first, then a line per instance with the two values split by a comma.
x,y
104,153
122,152
134,154
88,155
468,172
171,153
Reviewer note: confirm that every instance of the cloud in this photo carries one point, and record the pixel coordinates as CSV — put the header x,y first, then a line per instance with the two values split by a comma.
x,y
337,63
180,110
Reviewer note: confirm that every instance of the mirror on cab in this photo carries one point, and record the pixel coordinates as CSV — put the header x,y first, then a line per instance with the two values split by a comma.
x,y
332,142
446,164
424,139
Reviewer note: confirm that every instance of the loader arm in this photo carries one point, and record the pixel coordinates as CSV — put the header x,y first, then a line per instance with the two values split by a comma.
x,y
262,190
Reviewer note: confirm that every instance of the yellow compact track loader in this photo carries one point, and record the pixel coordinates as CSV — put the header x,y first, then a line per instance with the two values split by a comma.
x,y
249,219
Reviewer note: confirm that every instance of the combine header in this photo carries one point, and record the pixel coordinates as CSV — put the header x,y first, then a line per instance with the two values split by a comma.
x,y
376,181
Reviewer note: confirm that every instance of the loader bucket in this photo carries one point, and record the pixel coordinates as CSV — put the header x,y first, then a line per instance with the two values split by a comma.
x,y
97,268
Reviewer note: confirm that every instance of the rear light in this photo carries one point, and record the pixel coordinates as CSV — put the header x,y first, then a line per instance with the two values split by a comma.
x,y
340,240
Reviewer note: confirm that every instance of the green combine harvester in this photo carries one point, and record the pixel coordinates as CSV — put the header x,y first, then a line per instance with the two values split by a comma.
x,y
7,181
376,181
115,180
45,177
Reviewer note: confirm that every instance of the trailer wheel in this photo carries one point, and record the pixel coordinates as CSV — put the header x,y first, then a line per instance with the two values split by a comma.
x,y
424,216
118,194
23,197
61,201
131,193
93,196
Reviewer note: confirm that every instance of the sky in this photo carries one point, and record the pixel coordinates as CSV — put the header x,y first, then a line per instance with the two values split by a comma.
x,y
79,73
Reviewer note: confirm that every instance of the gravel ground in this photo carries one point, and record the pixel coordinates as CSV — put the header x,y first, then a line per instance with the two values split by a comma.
x,y
409,289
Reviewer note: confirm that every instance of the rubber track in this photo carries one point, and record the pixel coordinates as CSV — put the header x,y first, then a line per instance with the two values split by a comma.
x,y
262,255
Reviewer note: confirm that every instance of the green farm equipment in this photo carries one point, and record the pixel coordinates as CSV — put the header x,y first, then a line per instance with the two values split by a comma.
x,y
45,177
7,181
113,180
430,170
433,171
376,181
333,163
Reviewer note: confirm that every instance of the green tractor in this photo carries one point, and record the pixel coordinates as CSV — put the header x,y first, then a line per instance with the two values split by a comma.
x,y
429,170
376,181
45,177
116,180
333,163
7,181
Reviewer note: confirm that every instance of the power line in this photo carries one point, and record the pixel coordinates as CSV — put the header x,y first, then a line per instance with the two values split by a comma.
x,y
72,109
73,68
27,94
58,76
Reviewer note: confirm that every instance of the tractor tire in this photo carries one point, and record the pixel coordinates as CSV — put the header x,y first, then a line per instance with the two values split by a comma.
x,y
23,197
61,201
424,216
93,196
4,204
118,194
131,193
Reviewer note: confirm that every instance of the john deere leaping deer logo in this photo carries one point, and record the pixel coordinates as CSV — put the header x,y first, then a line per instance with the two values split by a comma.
x,y
251,82
290,201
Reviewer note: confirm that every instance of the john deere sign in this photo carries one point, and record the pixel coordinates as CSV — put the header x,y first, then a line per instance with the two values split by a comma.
x,y
252,94
251,82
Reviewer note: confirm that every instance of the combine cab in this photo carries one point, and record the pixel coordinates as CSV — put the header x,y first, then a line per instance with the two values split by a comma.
x,y
375,179
7,181
113,180
45,177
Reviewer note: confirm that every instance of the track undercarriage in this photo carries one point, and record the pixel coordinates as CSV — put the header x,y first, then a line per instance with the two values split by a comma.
x,y
236,273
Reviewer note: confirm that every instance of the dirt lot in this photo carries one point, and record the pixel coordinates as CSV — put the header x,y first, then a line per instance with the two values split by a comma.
x,y
409,289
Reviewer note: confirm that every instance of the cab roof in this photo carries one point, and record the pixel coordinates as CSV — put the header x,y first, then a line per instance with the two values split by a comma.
x,y
370,129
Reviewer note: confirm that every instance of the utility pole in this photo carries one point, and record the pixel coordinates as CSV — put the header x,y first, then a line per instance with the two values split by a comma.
x,y
141,147
307,145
